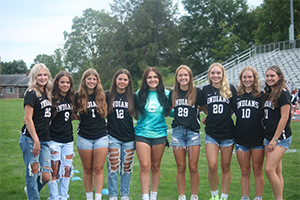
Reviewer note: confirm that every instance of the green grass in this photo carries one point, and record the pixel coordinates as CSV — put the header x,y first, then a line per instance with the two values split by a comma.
x,y
12,169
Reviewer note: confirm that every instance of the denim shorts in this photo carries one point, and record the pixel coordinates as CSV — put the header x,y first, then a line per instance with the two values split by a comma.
x,y
116,143
86,144
285,143
152,141
182,136
220,143
245,149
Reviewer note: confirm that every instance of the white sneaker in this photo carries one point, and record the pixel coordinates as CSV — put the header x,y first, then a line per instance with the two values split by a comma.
x,y
181,197
125,198
113,198
194,197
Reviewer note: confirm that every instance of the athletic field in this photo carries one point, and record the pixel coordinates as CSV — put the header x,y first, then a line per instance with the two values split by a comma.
x,y
12,169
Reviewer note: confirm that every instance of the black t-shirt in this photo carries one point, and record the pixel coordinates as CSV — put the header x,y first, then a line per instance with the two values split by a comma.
x,y
119,121
91,126
184,114
61,129
272,116
41,115
219,124
249,114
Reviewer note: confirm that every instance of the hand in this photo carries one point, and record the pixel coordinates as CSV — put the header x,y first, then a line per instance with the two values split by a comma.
x,y
36,148
272,145
204,121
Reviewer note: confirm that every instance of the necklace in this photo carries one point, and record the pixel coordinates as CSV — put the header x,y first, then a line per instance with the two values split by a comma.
x,y
215,91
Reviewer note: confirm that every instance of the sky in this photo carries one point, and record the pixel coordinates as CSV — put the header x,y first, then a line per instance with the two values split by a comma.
x,y
32,27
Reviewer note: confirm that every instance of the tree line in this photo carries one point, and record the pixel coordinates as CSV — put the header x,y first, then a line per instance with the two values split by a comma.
x,y
137,34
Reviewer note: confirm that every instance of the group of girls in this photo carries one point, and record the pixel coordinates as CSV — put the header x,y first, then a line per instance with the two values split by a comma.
x,y
47,135
48,150
262,128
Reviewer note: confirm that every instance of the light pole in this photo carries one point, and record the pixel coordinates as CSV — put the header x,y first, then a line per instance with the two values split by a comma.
x,y
291,28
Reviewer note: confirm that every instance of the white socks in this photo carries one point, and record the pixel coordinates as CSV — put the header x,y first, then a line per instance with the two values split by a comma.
x,y
98,196
214,193
145,197
153,195
225,196
89,195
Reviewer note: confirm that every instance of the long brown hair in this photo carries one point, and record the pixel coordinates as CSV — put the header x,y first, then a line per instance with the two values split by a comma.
x,y
81,104
128,91
273,93
255,86
55,91
191,93
144,91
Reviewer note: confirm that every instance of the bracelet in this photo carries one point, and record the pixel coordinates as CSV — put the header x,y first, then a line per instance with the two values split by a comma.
x,y
275,140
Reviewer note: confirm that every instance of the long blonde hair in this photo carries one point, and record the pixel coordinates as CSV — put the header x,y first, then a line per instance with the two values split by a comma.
x,y
81,104
32,84
225,91
191,93
255,85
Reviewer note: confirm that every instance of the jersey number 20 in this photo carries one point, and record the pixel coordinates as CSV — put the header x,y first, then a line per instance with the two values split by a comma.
x,y
217,109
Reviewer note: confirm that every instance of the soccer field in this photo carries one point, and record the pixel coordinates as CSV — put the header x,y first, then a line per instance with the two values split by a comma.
x,y
12,169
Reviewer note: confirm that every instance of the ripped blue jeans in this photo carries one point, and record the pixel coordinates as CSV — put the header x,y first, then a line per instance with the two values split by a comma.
x,y
119,160
34,181
59,186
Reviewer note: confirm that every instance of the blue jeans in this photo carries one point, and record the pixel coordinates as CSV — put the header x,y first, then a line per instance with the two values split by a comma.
x,y
61,151
119,161
34,182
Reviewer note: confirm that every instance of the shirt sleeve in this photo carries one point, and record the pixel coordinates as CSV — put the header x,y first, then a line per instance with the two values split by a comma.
x,y
284,98
30,98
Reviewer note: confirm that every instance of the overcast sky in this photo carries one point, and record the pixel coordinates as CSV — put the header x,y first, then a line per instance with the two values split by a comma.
x,y
32,27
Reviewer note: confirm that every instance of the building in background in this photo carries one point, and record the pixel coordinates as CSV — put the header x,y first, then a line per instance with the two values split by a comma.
x,y
13,86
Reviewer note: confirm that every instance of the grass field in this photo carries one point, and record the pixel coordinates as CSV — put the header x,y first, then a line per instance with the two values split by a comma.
x,y
12,169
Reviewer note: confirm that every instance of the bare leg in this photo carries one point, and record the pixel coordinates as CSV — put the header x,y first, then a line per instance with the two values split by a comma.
x,y
226,154
212,152
143,152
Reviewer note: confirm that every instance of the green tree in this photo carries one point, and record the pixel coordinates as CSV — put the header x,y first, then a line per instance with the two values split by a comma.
x,y
14,67
228,44
88,45
204,24
154,36
81,43
48,61
273,18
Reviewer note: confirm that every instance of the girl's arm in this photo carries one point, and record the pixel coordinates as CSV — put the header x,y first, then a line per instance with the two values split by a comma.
x,y
31,129
285,112
204,109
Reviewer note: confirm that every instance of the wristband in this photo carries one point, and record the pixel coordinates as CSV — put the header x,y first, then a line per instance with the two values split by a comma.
x,y
275,140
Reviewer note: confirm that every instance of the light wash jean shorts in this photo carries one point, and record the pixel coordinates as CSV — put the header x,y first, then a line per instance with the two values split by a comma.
x,y
220,143
285,143
245,149
86,144
182,136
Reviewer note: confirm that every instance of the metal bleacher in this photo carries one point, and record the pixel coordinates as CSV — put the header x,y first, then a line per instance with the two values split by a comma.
x,y
283,54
